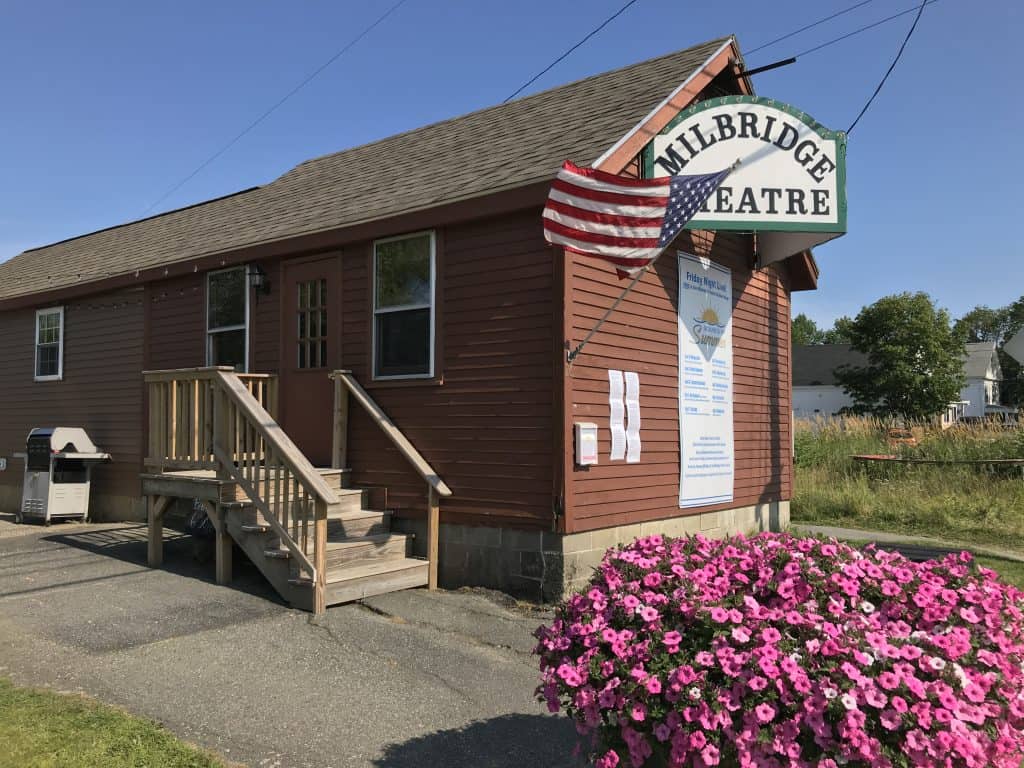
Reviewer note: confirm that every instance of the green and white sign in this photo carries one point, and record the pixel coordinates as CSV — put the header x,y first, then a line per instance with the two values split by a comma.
x,y
791,176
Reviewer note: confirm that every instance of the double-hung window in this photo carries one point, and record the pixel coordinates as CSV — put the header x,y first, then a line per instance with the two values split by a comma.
x,y
403,306
49,344
227,318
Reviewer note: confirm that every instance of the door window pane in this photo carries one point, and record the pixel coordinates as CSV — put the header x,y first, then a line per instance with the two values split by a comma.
x,y
311,340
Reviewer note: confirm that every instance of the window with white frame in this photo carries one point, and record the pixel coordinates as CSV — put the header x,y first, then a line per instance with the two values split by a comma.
x,y
49,344
403,306
227,318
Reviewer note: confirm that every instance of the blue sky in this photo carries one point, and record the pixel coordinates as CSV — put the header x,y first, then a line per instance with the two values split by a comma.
x,y
106,105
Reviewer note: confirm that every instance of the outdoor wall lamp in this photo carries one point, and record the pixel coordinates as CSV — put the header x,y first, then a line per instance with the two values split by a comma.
x,y
258,279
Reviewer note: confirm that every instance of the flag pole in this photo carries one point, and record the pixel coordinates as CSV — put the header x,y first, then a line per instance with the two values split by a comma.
x,y
573,354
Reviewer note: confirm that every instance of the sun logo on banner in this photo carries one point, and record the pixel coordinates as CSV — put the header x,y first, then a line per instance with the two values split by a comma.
x,y
710,317
708,329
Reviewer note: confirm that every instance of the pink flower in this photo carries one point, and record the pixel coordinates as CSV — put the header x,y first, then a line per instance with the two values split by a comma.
x,y
863,651
771,635
648,614
710,755
740,635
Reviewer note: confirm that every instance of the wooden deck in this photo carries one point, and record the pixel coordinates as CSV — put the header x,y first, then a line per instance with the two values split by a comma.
x,y
212,438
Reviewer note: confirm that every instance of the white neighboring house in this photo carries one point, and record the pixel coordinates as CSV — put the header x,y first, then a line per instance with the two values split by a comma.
x,y
817,393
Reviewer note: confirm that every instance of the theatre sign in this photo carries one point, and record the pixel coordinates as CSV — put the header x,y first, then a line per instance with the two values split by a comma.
x,y
791,177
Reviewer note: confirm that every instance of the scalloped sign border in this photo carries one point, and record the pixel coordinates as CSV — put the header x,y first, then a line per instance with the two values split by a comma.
x,y
792,172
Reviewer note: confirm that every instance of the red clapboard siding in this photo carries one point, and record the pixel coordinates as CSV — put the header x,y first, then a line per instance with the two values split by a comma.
x,y
101,390
487,425
641,335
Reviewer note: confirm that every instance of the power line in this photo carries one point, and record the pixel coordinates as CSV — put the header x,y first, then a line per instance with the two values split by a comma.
x,y
554,63
380,19
809,26
865,28
892,66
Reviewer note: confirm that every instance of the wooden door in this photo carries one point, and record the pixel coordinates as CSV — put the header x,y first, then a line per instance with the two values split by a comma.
x,y
310,336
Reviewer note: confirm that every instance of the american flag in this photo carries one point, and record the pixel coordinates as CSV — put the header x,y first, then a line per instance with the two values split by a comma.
x,y
628,222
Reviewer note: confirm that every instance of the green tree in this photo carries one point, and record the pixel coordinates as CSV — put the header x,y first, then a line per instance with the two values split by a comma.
x,y
839,333
984,324
805,331
914,359
999,325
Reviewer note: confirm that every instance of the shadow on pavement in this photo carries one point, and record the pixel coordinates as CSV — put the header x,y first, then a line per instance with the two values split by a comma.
x,y
509,741
184,555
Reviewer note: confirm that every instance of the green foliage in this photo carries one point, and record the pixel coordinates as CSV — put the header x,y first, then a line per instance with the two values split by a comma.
x,y
48,730
998,325
915,359
839,333
971,504
805,331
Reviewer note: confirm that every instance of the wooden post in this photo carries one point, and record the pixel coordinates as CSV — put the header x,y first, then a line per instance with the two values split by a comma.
x,y
433,533
155,508
221,428
222,547
339,454
320,558
272,395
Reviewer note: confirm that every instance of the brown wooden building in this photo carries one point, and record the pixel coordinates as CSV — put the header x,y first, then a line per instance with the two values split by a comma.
x,y
416,266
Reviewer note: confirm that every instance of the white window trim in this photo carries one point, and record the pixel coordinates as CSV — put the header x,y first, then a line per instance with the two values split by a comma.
x,y
60,346
245,326
405,307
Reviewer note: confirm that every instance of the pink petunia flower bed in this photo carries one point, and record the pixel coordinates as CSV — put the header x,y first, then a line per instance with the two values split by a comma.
x,y
777,651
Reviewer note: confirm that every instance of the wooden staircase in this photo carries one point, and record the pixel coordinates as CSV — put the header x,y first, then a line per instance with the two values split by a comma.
x,y
363,557
213,436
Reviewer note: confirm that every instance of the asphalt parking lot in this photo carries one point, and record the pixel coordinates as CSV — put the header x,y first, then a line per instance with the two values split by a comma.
x,y
409,679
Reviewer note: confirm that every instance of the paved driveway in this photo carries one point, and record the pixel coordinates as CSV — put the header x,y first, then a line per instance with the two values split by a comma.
x,y
410,679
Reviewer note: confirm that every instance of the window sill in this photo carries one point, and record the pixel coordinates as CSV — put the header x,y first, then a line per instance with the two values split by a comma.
x,y
48,378
433,381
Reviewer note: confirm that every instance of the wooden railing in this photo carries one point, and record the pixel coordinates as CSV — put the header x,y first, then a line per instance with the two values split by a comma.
x,y
181,414
213,418
345,384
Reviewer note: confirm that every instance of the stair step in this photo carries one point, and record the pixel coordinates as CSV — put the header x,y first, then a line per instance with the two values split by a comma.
x,y
379,546
365,578
341,526
350,500
337,479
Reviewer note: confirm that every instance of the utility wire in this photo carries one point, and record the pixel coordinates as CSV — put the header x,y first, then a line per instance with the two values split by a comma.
x,y
865,28
380,19
892,66
788,35
554,63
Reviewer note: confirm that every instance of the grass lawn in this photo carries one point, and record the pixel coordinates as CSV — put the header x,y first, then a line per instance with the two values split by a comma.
x,y
39,729
965,504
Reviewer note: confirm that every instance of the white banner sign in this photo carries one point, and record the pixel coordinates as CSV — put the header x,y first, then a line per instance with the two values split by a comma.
x,y
707,460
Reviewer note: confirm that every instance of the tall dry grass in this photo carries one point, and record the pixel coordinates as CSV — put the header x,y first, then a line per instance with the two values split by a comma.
x,y
980,504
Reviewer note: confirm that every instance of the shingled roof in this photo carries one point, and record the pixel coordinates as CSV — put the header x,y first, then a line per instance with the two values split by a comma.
x,y
499,148
815,364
